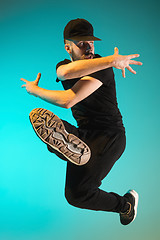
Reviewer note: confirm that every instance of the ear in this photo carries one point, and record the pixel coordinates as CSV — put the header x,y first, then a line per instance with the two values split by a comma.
x,y
68,48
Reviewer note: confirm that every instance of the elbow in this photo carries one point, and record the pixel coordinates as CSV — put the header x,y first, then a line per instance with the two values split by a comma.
x,y
68,104
67,107
62,74
69,99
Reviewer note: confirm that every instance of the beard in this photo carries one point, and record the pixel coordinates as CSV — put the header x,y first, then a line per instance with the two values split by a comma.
x,y
87,55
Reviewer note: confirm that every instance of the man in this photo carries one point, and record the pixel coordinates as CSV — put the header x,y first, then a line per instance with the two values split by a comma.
x,y
91,149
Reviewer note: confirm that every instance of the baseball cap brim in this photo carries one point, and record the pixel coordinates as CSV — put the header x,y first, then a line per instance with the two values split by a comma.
x,y
84,38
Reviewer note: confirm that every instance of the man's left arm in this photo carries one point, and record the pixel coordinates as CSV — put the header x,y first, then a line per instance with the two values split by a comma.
x,y
65,98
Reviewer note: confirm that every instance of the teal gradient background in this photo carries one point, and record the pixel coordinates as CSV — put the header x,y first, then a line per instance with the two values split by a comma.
x,y
32,202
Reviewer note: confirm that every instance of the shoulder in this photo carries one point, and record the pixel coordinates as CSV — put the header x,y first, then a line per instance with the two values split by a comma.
x,y
65,61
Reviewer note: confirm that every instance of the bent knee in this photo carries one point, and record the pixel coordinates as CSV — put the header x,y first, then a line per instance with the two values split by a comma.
x,y
75,198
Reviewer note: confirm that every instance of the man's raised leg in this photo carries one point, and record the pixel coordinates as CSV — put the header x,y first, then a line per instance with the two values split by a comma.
x,y
51,130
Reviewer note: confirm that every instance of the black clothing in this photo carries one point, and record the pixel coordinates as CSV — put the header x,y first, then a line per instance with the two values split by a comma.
x,y
83,182
100,127
100,109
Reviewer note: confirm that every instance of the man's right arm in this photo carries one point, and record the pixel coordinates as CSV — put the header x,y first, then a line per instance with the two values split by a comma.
x,y
80,68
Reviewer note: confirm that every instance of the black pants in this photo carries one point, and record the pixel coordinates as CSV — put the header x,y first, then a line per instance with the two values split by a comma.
x,y
83,182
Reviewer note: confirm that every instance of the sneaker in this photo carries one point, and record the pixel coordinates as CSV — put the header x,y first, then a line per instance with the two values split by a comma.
x,y
132,201
50,129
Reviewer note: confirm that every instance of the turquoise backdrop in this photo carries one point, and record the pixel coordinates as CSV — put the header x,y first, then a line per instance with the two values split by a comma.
x,y
32,202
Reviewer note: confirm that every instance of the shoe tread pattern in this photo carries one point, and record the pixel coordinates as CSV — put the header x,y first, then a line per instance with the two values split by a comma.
x,y
50,129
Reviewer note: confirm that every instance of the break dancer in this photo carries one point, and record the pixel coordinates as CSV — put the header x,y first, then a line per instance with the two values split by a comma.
x,y
92,148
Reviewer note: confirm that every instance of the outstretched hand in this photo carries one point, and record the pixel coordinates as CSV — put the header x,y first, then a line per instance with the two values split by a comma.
x,y
122,61
30,86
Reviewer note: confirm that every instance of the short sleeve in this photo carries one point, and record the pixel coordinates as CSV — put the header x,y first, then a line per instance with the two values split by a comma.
x,y
66,61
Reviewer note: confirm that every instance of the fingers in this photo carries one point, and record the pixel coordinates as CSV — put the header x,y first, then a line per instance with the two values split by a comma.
x,y
24,80
133,56
116,51
123,72
131,70
38,78
135,62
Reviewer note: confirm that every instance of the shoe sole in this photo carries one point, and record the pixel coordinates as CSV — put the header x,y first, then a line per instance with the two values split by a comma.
x,y
50,129
136,197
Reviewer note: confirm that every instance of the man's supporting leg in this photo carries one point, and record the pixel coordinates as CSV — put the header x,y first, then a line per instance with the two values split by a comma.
x,y
82,183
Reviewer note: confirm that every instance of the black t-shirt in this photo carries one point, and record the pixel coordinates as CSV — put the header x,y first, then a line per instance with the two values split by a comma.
x,y
100,109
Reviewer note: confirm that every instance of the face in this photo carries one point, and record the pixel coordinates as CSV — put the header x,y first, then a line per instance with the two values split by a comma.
x,y
80,50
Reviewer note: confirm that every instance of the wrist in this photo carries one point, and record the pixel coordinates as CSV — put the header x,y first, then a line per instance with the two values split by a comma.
x,y
34,91
111,61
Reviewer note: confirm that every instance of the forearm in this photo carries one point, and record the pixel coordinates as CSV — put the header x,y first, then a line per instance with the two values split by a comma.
x,y
58,98
77,69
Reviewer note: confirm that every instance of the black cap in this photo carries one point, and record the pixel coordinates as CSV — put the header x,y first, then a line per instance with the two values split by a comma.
x,y
79,30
